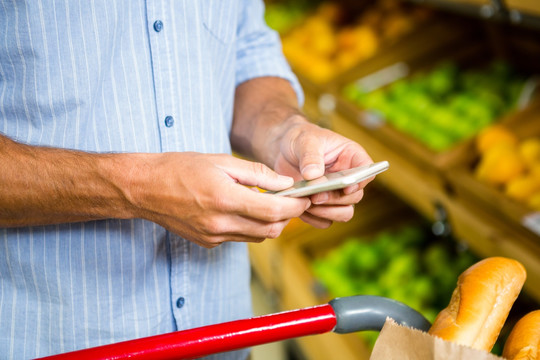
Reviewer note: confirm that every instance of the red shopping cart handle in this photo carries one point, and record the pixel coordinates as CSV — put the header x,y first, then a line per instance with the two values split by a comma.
x,y
341,315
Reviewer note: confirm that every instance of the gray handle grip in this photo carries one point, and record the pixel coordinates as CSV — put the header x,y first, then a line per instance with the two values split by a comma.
x,y
365,312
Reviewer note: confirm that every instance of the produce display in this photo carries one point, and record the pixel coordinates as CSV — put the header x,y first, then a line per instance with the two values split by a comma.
x,y
407,264
439,108
283,16
326,42
510,164
445,105
481,302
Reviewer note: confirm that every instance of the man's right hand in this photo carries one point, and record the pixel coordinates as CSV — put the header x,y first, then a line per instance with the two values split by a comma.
x,y
209,199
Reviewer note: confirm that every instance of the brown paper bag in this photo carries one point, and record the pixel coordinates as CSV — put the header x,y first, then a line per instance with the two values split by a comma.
x,y
402,343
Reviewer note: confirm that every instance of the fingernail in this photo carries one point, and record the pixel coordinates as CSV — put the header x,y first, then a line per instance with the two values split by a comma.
x,y
285,178
321,198
314,169
351,189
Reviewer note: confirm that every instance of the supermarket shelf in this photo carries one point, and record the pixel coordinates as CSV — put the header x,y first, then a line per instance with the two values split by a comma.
x,y
292,281
418,177
284,270
485,233
421,177
426,188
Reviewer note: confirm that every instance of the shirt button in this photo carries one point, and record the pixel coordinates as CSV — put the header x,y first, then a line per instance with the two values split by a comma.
x,y
158,25
180,302
169,121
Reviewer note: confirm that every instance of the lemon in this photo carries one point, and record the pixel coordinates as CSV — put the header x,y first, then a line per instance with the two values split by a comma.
x,y
367,40
530,150
318,70
534,201
534,170
346,60
494,135
500,164
522,187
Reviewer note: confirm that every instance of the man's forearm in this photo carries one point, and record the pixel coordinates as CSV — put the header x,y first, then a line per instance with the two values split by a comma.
x,y
264,109
40,185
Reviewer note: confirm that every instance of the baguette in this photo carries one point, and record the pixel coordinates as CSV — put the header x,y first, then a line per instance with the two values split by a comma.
x,y
523,343
480,303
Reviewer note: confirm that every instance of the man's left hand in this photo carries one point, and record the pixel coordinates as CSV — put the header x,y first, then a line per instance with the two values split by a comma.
x,y
308,151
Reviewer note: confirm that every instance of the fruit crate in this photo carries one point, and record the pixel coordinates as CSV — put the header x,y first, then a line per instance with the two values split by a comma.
x,y
471,50
297,286
418,271
363,25
266,257
300,286
379,213
470,190
287,280
333,37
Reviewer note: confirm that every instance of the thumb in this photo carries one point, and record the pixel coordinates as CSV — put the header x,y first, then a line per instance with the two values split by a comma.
x,y
257,174
310,155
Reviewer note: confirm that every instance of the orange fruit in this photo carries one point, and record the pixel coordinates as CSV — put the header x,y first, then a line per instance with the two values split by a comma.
x,y
494,135
522,187
530,150
534,201
500,164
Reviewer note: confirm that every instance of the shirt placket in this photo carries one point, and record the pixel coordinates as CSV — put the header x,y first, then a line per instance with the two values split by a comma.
x,y
163,47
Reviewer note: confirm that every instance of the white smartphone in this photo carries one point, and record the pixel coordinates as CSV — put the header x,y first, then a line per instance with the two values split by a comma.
x,y
333,181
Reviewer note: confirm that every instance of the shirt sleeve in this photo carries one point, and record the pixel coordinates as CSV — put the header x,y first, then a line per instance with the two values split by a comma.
x,y
258,50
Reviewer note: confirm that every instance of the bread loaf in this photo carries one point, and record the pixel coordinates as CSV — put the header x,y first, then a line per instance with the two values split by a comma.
x,y
480,303
523,343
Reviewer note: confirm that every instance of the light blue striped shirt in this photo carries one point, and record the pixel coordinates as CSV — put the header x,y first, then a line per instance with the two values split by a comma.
x,y
122,76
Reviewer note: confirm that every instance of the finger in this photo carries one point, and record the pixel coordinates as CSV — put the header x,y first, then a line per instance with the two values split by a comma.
x,y
347,156
315,221
284,167
235,225
240,200
310,154
321,198
356,187
339,213
212,242
337,197
230,228
353,188
255,174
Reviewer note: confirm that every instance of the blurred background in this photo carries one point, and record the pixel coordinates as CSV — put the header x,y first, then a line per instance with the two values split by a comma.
x,y
447,92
